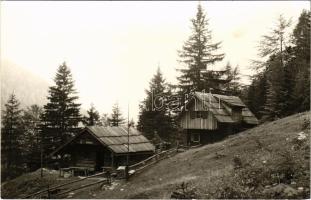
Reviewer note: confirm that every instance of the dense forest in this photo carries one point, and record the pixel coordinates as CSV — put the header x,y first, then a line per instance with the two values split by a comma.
x,y
280,87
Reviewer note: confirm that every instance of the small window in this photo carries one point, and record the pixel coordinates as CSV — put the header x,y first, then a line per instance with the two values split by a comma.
x,y
195,137
204,114
82,141
88,142
199,115
192,114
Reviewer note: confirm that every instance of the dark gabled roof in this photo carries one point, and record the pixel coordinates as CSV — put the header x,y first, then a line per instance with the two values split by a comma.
x,y
214,104
116,139
231,100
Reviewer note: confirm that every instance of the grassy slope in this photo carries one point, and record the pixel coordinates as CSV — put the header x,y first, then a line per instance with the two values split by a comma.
x,y
32,182
210,169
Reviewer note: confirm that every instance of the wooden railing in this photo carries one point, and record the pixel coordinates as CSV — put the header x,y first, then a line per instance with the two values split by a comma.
x,y
152,160
55,190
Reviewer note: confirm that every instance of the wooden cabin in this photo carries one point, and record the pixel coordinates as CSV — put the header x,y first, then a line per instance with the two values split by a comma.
x,y
209,117
96,147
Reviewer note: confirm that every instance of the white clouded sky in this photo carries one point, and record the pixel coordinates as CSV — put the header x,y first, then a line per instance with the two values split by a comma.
x,y
114,48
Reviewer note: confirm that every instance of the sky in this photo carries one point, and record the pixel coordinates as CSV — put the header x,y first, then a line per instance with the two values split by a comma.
x,y
114,48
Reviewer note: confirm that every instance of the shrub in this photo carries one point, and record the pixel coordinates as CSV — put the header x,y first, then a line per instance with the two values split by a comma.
x,y
184,191
237,162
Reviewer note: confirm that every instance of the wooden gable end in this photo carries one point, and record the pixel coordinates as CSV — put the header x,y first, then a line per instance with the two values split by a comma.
x,y
86,138
198,117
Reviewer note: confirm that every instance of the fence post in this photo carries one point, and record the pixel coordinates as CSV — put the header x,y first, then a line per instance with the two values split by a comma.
x,y
49,192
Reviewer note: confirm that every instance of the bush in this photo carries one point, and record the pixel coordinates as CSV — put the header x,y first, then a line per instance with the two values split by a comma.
x,y
184,191
237,162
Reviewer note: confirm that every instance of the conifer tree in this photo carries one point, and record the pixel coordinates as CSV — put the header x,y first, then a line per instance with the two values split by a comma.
x,y
11,139
61,115
155,120
301,37
197,53
233,87
285,73
32,142
274,47
276,42
104,120
116,118
301,41
257,94
93,117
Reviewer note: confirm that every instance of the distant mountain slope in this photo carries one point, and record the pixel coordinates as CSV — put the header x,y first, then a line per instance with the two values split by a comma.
x,y
28,88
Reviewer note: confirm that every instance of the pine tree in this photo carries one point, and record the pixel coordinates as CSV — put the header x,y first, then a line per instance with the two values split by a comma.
x,y
61,114
233,87
274,47
155,121
256,94
301,50
93,117
197,54
116,118
11,139
276,42
32,143
104,120
301,37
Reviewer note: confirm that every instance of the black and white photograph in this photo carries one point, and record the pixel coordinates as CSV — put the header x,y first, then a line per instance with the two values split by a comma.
x,y
155,99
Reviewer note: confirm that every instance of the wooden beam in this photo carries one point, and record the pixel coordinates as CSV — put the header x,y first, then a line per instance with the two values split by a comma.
x,y
112,160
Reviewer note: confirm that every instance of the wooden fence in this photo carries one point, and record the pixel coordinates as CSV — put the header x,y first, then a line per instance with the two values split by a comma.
x,y
57,190
138,167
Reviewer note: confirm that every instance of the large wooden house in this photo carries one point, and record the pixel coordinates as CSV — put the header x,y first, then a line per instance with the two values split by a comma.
x,y
96,147
209,117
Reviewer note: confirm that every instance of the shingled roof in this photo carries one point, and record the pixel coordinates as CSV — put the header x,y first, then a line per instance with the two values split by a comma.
x,y
116,139
214,103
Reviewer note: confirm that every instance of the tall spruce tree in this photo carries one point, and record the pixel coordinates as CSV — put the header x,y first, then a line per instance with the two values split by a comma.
x,y
197,53
274,47
11,139
276,41
116,118
155,120
301,40
61,115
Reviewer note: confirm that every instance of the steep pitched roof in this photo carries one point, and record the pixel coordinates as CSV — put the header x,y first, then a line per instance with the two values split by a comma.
x,y
116,139
214,103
